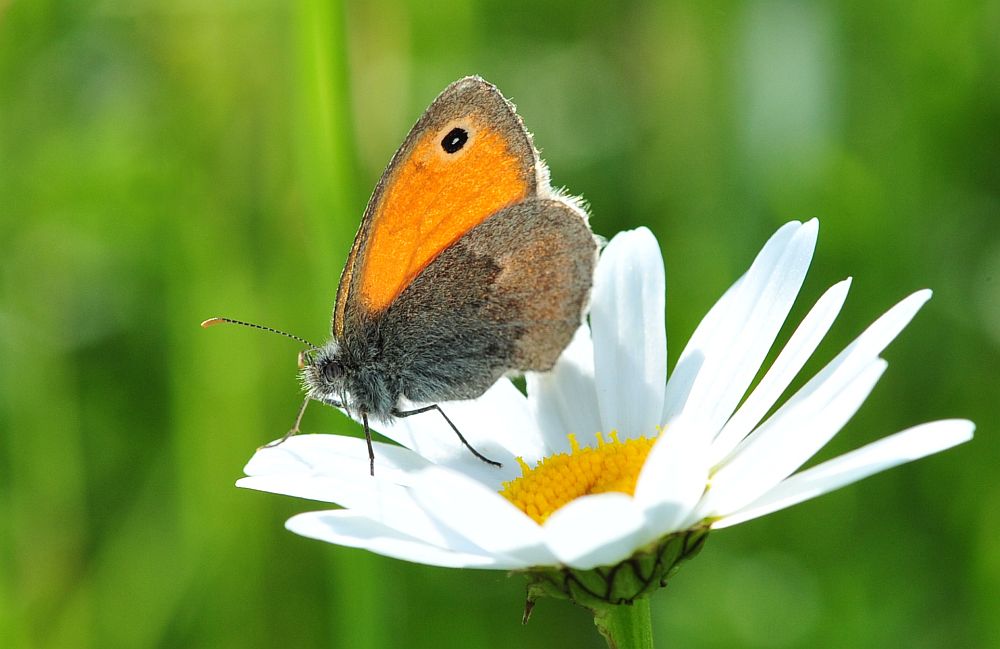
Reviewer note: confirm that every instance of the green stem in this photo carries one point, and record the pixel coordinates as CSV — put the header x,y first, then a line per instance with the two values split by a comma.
x,y
626,626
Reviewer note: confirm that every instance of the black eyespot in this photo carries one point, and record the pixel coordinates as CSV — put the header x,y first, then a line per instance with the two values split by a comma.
x,y
455,140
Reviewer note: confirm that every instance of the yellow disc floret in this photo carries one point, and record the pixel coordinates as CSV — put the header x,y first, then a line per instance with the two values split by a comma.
x,y
556,480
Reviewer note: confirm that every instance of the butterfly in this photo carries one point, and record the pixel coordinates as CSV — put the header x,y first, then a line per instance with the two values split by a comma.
x,y
467,267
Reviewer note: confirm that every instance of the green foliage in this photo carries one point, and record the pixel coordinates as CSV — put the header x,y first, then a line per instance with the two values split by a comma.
x,y
162,162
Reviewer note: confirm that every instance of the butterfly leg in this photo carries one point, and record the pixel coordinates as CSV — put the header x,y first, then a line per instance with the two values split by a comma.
x,y
407,413
294,430
368,440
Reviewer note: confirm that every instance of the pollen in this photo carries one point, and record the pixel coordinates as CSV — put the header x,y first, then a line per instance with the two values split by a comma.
x,y
612,465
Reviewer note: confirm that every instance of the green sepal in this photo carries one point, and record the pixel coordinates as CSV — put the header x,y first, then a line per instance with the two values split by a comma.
x,y
623,583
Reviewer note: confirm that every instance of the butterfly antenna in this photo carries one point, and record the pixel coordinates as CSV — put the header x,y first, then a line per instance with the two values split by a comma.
x,y
215,321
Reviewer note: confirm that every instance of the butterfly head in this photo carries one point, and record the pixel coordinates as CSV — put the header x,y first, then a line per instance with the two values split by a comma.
x,y
324,374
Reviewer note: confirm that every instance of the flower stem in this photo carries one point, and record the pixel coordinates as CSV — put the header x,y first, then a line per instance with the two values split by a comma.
x,y
626,626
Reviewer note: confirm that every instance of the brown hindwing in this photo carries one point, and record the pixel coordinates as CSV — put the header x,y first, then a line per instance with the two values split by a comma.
x,y
506,296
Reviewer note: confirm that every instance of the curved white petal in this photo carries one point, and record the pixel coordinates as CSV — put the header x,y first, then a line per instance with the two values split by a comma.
x,y
596,530
786,367
335,469
687,370
906,446
564,400
673,477
345,527
388,504
732,355
717,325
786,442
335,455
483,516
630,340
765,313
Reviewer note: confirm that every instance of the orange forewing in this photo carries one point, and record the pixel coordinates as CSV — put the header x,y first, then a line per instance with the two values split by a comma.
x,y
430,202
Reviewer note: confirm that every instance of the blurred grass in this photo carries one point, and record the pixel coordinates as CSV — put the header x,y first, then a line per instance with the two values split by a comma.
x,y
164,162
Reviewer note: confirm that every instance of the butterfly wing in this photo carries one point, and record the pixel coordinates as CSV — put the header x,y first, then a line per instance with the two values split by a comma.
x,y
467,158
508,295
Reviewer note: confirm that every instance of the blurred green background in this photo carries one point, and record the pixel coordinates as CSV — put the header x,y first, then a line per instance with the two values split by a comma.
x,y
162,162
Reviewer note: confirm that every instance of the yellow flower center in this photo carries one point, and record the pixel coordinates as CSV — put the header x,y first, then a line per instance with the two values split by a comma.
x,y
556,480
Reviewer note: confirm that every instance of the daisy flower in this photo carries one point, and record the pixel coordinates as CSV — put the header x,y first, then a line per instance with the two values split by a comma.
x,y
612,471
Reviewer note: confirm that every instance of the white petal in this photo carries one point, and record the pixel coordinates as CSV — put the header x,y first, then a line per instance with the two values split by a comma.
x,y
786,441
785,368
347,528
483,516
388,504
906,446
498,424
733,355
681,381
596,530
564,400
717,325
673,478
630,343
335,469
334,455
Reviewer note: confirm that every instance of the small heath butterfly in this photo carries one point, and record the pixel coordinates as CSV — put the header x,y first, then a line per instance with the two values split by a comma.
x,y
467,266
